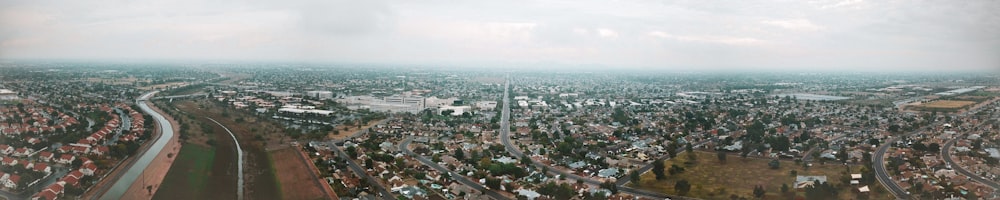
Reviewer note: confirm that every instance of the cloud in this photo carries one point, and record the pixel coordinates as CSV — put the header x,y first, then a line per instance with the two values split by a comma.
x,y
709,39
655,34
794,24
607,33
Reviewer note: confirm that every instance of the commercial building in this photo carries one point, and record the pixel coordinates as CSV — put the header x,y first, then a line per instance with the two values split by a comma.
x,y
6,94
320,94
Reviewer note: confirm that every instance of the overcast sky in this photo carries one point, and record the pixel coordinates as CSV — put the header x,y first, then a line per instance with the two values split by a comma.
x,y
695,34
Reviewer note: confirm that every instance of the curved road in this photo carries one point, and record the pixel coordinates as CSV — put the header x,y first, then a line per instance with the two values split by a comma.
x,y
475,185
239,161
135,169
516,152
882,175
946,155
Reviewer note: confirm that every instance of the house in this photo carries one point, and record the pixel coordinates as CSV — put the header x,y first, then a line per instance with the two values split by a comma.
x,y
20,152
45,195
808,181
70,180
66,159
6,149
12,181
45,156
88,169
42,167
458,189
75,174
8,161
51,192
100,150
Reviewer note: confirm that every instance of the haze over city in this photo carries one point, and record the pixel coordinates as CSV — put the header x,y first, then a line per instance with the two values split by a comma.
x,y
500,100
827,35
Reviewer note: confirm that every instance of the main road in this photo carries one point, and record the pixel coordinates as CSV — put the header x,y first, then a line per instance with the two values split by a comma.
x,y
946,155
139,165
461,179
516,152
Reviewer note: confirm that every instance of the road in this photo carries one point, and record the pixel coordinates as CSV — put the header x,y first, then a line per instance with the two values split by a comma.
x,y
137,166
461,179
946,155
239,160
882,175
361,172
516,152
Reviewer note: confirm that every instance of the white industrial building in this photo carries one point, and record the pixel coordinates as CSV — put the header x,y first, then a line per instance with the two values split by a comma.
x,y
320,94
6,94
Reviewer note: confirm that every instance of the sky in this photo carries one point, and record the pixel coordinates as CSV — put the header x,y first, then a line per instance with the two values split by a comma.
x,y
641,34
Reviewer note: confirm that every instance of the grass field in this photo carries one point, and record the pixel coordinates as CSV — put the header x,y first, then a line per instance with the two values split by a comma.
x,y
189,174
710,179
947,104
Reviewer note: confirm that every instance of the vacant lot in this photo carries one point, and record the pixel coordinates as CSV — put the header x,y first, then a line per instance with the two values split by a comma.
x,y
952,104
711,179
298,180
344,133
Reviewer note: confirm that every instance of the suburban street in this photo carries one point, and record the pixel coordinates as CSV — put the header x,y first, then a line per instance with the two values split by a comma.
x,y
458,177
361,172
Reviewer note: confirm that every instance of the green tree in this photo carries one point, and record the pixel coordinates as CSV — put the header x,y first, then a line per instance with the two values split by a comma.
x,y
774,164
635,176
758,191
610,186
682,187
722,156
658,169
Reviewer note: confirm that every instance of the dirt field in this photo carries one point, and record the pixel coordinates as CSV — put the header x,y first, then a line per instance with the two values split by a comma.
x,y
738,176
165,85
947,104
350,131
298,180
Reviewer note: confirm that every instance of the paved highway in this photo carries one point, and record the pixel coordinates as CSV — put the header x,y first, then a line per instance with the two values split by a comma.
x,y
882,175
516,152
461,179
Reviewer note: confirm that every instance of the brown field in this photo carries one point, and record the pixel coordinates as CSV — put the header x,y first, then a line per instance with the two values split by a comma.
x,y
341,133
298,180
711,179
165,85
947,104
116,81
